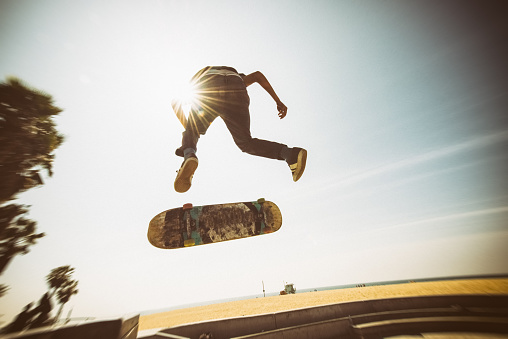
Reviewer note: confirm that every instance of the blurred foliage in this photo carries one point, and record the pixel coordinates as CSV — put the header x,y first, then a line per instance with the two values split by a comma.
x,y
28,138
3,290
61,285
17,233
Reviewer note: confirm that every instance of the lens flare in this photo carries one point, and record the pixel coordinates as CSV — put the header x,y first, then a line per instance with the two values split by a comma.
x,y
186,97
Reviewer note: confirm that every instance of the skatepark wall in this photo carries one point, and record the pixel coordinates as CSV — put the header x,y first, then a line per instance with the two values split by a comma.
x,y
361,319
111,328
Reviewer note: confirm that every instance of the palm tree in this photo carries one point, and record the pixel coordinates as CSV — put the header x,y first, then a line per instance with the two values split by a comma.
x,y
65,294
61,285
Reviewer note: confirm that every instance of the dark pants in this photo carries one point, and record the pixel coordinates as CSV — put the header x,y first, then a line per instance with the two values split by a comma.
x,y
226,96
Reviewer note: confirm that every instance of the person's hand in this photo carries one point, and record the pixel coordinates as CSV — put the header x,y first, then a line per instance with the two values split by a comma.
x,y
283,110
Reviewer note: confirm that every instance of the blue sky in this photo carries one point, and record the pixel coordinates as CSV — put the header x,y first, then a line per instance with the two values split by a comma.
x,y
401,106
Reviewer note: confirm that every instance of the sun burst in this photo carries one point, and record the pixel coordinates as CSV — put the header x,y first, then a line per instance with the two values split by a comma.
x,y
186,97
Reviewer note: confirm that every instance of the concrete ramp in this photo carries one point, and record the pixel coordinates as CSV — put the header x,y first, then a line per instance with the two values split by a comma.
x,y
380,318
114,328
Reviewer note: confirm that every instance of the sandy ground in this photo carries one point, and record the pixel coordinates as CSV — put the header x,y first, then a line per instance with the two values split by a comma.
x,y
299,300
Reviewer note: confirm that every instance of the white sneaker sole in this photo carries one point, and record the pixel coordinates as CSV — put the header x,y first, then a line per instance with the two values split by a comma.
x,y
183,179
299,167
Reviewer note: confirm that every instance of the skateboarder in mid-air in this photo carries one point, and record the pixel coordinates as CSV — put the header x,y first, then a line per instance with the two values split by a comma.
x,y
222,91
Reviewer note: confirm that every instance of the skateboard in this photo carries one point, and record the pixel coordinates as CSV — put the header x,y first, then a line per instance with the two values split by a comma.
x,y
198,225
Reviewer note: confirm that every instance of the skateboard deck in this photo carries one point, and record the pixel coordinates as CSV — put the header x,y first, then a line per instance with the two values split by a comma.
x,y
198,225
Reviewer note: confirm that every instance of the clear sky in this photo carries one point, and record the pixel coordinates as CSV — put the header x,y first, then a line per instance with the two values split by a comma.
x,y
400,104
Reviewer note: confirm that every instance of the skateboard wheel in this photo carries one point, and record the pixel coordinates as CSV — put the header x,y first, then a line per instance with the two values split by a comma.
x,y
189,242
261,200
187,206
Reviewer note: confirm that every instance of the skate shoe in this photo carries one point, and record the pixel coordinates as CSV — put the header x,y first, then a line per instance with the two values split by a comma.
x,y
296,162
184,175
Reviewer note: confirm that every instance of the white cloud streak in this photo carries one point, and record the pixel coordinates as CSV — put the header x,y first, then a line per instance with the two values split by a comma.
x,y
469,145
449,217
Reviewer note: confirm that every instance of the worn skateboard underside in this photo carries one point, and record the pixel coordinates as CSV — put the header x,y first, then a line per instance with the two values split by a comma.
x,y
177,228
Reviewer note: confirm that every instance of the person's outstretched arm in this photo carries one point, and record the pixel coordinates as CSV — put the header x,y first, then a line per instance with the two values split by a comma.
x,y
261,79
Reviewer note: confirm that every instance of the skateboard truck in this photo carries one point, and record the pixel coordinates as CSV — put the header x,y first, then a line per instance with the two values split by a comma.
x,y
187,221
260,216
